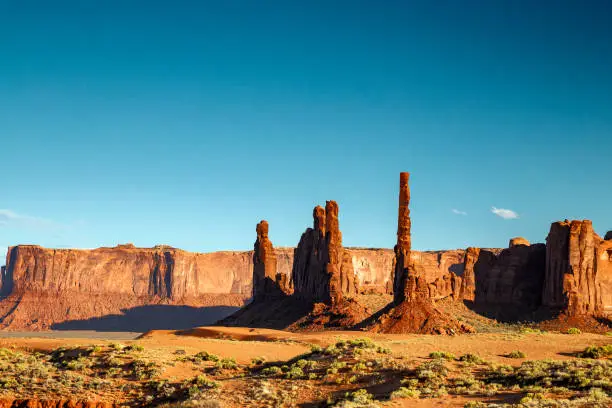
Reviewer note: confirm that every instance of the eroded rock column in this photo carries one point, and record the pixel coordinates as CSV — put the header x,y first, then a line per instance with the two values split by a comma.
x,y
264,265
402,248
334,251
322,270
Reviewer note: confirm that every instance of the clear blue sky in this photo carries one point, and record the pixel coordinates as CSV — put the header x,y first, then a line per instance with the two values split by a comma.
x,y
186,122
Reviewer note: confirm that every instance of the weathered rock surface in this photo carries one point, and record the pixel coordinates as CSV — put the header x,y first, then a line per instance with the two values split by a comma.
x,y
413,309
323,278
403,246
518,241
603,277
570,282
44,287
266,281
322,269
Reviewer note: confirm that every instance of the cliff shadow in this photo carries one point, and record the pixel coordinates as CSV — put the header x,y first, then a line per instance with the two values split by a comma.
x,y
151,317
508,285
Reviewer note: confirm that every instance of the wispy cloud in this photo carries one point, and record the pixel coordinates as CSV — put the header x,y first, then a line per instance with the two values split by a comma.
x,y
8,217
504,213
458,212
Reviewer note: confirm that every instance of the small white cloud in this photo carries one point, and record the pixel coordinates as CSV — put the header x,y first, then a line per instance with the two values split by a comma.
x,y
504,213
11,217
458,212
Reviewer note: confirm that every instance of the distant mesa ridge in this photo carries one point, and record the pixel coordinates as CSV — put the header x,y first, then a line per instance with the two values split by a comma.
x,y
318,283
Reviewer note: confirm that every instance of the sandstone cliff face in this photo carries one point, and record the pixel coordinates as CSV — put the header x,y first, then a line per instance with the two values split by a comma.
x,y
603,280
322,269
161,271
570,282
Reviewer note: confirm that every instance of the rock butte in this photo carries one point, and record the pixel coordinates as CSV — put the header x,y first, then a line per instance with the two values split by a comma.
x,y
570,274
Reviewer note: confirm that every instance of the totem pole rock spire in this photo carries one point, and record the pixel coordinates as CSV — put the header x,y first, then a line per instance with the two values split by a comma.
x,y
266,282
403,246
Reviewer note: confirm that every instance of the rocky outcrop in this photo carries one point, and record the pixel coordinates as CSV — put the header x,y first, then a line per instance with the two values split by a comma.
x,y
413,309
570,282
323,278
608,236
322,269
266,281
578,275
518,241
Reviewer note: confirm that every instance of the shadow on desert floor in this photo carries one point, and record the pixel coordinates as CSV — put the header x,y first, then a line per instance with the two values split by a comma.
x,y
151,317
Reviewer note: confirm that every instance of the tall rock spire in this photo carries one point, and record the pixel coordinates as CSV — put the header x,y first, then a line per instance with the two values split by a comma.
x,y
402,248
266,282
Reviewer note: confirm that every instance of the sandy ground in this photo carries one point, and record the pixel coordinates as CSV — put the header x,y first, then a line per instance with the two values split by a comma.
x,y
244,344
71,334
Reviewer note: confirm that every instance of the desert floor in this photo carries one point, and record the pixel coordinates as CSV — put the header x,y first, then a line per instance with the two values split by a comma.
x,y
161,367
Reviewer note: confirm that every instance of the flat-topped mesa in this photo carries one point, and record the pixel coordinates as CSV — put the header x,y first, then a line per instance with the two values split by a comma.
x,y
403,246
570,275
266,281
322,269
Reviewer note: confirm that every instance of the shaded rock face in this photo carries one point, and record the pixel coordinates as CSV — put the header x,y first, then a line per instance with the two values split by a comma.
x,y
266,281
570,282
608,236
322,269
513,276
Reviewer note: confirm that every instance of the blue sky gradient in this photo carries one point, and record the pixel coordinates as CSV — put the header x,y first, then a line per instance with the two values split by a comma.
x,y
187,122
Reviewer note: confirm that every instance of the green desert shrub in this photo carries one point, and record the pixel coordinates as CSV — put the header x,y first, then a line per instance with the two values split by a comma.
x,y
596,351
227,363
471,358
515,354
441,354
205,356
404,392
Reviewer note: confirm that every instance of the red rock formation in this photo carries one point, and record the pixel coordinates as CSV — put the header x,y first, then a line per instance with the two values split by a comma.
x,y
569,282
403,246
518,241
603,279
323,270
266,281
413,309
